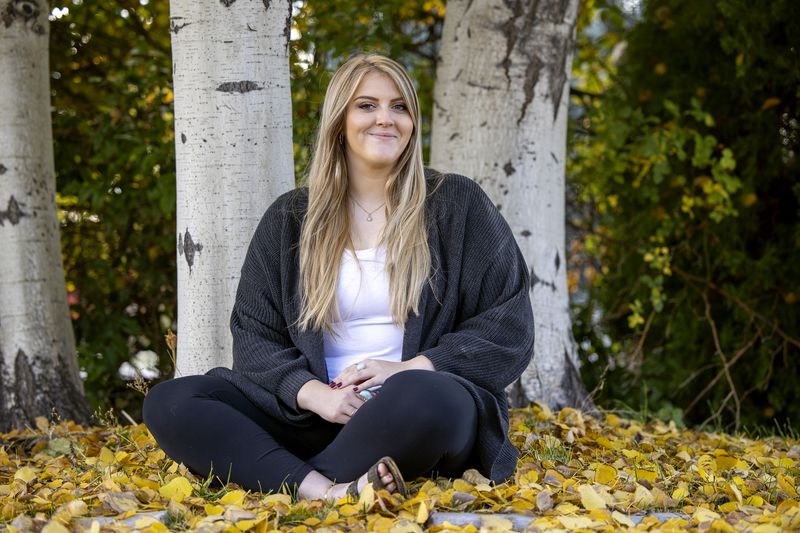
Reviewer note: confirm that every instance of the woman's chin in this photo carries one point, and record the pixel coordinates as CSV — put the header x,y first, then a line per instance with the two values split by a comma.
x,y
381,162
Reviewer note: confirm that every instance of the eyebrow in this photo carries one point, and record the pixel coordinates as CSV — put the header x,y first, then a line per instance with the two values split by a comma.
x,y
398,99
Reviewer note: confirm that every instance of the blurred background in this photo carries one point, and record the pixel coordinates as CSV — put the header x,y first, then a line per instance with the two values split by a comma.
x,y
682,191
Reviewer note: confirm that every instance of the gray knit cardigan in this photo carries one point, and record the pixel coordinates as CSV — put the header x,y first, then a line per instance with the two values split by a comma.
x,y
475,320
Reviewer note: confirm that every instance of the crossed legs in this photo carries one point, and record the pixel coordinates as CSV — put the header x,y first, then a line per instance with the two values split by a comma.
x,y
425,420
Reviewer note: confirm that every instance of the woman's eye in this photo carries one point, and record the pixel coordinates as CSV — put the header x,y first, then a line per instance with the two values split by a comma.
x,y
401,107
365,106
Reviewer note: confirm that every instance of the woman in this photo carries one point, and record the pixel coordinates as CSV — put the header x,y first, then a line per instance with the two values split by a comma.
x,y
380,314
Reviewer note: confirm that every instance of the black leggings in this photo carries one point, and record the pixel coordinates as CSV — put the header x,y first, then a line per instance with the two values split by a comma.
x,y
426,421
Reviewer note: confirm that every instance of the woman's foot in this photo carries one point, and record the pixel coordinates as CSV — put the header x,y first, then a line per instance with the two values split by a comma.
x,y
339,490
315,486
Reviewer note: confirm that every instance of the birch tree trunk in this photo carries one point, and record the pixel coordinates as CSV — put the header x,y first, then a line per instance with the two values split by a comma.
x,y
38,364
500,117
233,144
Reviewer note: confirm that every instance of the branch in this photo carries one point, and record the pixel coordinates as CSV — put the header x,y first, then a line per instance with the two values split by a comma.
x,y
725,364
714,381
710,284
580,93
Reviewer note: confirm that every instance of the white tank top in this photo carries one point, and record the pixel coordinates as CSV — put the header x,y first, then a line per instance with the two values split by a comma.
x,y
366,329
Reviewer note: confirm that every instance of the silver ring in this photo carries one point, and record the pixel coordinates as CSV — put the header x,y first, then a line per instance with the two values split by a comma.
x,y
361,366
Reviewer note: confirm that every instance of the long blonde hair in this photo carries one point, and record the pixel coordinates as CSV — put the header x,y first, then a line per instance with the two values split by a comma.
x,y
326,230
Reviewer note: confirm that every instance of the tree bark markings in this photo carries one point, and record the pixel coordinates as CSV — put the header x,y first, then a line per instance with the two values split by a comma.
x,y
36,388
238,87
503,75
187,247
233,154
38,363
27,10
13,212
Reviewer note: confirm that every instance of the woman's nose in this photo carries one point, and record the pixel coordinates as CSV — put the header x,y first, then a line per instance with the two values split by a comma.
x,y
384,117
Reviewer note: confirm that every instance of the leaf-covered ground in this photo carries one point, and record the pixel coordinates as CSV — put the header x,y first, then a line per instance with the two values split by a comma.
x,y
576,473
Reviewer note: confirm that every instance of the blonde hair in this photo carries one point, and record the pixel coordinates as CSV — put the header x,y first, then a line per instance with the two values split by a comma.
x,y
326,230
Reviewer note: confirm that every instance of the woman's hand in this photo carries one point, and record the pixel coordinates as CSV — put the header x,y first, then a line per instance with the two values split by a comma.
x,y
333,405
374,372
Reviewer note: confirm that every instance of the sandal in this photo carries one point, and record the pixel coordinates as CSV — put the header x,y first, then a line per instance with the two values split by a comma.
x,y
375,478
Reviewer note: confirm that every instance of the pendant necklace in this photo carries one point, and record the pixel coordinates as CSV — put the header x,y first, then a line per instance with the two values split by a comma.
x,y
369,213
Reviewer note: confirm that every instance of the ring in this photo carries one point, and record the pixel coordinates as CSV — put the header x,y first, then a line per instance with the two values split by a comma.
x,y
361,366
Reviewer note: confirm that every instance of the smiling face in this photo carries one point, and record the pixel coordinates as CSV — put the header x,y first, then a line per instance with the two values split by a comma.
x,y
377,126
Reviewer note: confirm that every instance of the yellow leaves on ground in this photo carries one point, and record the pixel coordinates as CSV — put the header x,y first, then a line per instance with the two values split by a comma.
x,y
576,473
26,474
605,474
178,489
590,499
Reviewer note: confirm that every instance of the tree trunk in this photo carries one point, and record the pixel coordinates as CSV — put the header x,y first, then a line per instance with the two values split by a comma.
x,y
233,145
500,117
38,364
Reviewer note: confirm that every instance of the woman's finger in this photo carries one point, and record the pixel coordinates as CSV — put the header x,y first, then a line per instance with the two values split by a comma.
x,y
348,371
342,375
357,377
372,382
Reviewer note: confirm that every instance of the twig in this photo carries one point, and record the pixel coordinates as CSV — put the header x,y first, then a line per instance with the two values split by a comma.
x,y
710,284
696,373
766,379
725,365
638,352
128,417
738,355
718,412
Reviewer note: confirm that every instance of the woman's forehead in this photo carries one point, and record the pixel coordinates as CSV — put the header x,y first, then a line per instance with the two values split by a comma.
x,y
377,84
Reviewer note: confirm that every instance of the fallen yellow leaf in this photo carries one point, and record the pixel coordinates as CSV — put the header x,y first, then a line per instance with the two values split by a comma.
x,y
106,457
590,499
234,497
348,510
54,527
277,498
366,499
26,474
643,498
679,493
647,475
178,489
150,524
491,523
605,475
405,526
622,519
422,513
577,522
786,483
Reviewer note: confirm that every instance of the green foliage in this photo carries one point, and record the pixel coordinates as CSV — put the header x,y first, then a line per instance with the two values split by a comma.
x,y
685,172
114,154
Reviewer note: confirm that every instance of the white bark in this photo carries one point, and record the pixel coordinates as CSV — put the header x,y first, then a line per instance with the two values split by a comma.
x,y
233,144
500,117
38,364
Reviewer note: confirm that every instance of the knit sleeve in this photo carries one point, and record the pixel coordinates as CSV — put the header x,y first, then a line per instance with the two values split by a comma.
x,y
491,342
263,351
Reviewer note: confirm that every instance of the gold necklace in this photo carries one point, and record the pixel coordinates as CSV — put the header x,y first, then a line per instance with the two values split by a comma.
x,y
369,213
